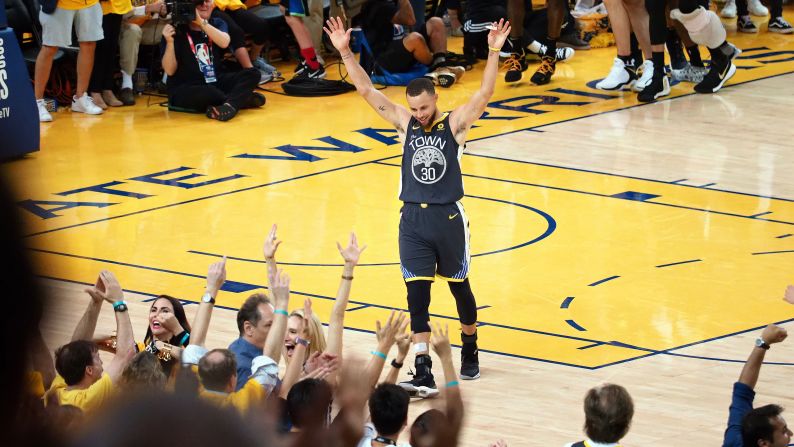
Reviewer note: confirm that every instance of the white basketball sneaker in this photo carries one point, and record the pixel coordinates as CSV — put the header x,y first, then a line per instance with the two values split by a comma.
x,y
44,114
85,104
619,75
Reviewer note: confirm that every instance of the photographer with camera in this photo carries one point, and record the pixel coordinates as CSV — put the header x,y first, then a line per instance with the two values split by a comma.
x,y
192,58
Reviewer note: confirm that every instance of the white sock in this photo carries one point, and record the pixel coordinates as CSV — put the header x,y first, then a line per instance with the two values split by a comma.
x,y
536,47
126,80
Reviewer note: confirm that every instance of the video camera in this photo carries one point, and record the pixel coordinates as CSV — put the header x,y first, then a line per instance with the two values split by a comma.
x,y
182,11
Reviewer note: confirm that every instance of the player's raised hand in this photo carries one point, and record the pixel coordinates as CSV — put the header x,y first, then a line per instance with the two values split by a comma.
x,y
498,36
336,32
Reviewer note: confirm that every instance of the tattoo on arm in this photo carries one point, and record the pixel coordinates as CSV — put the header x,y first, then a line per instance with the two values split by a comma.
x,y
382,108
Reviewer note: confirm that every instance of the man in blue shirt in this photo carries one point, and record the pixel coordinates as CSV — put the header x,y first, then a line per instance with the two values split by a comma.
x,y
763,426
254,320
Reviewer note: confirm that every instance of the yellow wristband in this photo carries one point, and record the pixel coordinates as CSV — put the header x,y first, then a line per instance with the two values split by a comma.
x,y
495,49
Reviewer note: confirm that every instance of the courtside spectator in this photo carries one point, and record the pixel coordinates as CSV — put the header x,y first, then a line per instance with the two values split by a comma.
x,y
86,17
608,410
763,426
82,380
139,28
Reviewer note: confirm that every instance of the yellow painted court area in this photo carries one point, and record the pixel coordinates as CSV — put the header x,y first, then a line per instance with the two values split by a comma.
x,y
572,266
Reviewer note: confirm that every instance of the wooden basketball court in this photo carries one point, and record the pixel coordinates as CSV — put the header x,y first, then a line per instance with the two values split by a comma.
x,y
644,246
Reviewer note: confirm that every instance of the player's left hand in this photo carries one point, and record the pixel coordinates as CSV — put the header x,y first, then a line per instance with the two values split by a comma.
x,y
497,37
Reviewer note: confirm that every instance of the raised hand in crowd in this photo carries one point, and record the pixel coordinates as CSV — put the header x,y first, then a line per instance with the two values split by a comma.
x,y
352,252
336,324
279,287
454,402
216,276
386,336
403,341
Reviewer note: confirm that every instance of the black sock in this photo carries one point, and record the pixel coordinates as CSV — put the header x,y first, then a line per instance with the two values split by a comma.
x,y
636,52
439,59
658,63
551,47
694,56
627,60
675,49
515,45
717,58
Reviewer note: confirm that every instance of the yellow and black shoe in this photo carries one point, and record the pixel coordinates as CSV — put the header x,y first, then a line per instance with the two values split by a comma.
x,y
544,73
514,66
442,77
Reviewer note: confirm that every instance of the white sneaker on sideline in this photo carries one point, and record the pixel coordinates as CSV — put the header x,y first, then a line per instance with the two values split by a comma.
x,y
562,53
646,77
619,75
44,114
757,9
85,104
729,10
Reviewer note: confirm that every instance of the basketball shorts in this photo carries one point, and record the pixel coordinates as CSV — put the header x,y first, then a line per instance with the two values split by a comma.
x,y
434,241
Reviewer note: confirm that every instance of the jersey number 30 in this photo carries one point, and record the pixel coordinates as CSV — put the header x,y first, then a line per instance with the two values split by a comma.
x,y
428,174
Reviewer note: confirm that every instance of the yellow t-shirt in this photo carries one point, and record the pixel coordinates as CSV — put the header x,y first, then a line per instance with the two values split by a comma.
x,y
116,6
249,395
34,383
76,4
87,399
229,5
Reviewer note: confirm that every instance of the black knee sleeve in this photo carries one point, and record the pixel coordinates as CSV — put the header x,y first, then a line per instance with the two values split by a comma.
x,y
464,299
418,305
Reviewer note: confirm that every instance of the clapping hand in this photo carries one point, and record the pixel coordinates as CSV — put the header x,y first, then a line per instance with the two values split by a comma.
x,y
107,289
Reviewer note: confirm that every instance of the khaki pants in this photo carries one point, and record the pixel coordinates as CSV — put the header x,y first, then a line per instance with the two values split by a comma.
x,y
314,22
133,36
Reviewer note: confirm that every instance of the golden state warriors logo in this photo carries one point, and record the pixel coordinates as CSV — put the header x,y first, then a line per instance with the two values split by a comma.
x,y
428,163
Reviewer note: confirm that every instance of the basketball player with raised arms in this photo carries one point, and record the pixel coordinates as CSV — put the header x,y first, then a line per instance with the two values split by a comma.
x,y
434,230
